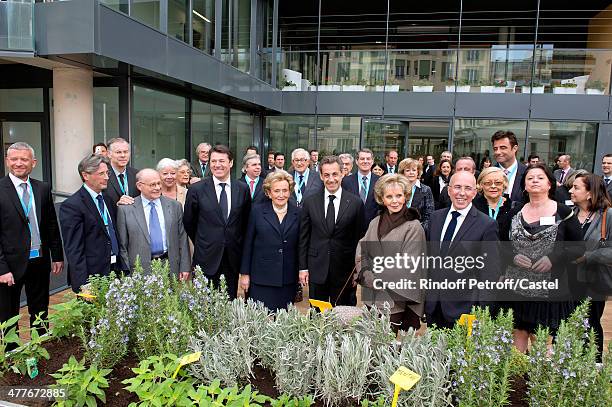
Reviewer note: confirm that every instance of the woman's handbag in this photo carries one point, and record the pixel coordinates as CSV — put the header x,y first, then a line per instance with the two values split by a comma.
x,y
603,272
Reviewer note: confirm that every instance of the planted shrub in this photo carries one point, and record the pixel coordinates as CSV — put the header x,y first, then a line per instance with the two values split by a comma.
x,y
82,386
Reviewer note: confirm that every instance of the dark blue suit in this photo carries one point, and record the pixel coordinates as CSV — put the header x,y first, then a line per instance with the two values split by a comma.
x,y
352,183
478,234
86,241
270,255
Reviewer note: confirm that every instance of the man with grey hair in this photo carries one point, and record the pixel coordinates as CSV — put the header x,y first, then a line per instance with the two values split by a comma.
x,y
121,177
30,242
347,164
251,170
88,220
306,183
200,167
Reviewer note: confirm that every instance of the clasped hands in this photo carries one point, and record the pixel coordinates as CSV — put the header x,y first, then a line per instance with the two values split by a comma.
x,y
542,265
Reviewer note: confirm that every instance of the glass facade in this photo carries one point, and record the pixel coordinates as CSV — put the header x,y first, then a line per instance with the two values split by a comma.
x,y
203,25
21,100
178,19
106,114
147,11
286,133
236,33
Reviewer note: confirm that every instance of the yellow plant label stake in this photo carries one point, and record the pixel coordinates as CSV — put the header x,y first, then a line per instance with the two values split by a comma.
x,y
321,305
467,320
86,296
185,360
403,379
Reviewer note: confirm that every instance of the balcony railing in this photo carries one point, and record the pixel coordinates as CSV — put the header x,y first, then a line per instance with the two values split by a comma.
x,y
482,70
16,33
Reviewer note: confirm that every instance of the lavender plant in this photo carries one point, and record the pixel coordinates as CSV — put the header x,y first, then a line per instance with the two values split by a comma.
x,y
567,374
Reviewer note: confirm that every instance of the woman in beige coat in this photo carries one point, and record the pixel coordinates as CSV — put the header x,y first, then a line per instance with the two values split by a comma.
x,y
396,231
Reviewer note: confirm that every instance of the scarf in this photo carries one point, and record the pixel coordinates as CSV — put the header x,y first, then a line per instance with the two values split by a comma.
x,y
389,221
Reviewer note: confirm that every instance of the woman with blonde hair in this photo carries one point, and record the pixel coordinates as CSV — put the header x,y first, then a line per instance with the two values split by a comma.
x,y
396,230
421,197
491,184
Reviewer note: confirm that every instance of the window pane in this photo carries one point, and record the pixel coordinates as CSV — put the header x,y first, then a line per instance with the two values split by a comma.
x,y
119,5
337,135
106,114
146,11
29,132
287,133
204,25
158,127
473,137
208,124
549,139
178,17
21,100
235,40
240,137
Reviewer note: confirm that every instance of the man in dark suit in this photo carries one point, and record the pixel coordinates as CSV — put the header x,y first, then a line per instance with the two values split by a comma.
x,y
30,242
216,216
428,170
606,169
505,147
270,162
362,184
565,169
330,227
314,161
391,158
252,178
122,178
463,164
88,220
200,168
307,182
460,231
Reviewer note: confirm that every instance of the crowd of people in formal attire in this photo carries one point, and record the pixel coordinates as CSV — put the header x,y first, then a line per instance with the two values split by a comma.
x,y
319,224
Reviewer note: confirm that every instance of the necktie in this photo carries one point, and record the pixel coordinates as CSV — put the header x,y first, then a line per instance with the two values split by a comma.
x,y
330,216
122,183
302,186
363,191
506,172
448,235
35,233
607,181
252,186
109,227
155,232
204,169
223,201
562,176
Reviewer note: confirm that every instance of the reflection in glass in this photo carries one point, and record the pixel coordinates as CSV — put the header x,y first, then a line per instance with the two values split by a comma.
x,y
204,25
158,127
550,139
209,124
21,100
240,137
236,33
147,11
106,114
382,136
287,133
178,18
29,132
119,5
337,135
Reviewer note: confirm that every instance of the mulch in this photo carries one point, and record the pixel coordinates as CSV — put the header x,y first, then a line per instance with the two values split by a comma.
x,y
61,350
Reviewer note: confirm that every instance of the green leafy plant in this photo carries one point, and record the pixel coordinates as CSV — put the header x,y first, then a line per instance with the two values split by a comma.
x,y
567,374
67,317
287,401
83,386
423,82
287,83
565,85
500,84
598,85
8,338
31,350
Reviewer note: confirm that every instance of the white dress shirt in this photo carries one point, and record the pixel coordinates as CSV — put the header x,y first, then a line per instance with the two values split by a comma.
x,y
336,202
160,216
462,215
441,183
17,182
228,192
512,170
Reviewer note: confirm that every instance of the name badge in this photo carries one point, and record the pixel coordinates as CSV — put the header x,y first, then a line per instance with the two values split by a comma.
x,y
569,202
547,220
34,253
113,259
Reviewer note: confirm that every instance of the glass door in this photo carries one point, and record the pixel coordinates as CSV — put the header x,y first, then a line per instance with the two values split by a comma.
x,y
29,130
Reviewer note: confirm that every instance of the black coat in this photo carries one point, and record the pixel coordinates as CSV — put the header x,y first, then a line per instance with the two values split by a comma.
x,y
326,252
480,202
270,254
352,184
113,191
210,233
86,242
14,231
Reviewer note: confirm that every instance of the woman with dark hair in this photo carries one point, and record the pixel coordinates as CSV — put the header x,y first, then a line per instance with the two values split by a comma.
x,y
441,178
594,271
377,168
538,231
485,163
562,193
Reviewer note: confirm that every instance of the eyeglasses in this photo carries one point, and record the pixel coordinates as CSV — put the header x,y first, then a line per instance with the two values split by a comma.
x,y
459,188
300,160
491,183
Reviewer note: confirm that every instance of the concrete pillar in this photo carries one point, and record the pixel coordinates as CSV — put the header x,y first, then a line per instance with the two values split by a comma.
x,y
72,124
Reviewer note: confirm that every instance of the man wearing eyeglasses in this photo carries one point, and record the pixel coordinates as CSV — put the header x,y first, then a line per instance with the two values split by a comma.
x,y
463,164
306,182
460,232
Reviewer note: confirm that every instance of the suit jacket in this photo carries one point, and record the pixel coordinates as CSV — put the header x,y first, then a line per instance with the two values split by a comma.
x,y
423,202
440,197
558,173
386,168
196,169
427,175
329,255
210,233
86,242
470,240
14,231
608,187
270,253
259,195
313,185
136,241
113,191
352,184
517,191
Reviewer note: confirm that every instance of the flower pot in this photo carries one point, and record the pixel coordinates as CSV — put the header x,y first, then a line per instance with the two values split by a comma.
x,y
387,88
329,88
416,88
460,88
536,89
290,88
492,89
594,92
353,88
564,91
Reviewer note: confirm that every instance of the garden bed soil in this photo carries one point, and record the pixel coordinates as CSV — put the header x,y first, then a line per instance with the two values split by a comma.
x,y
116,396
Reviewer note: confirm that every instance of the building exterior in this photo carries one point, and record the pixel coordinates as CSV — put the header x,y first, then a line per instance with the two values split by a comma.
x,y
327,74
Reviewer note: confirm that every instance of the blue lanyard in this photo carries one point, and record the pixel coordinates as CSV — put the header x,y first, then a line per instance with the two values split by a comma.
x,y
255,181
104,214
494,215
412,196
